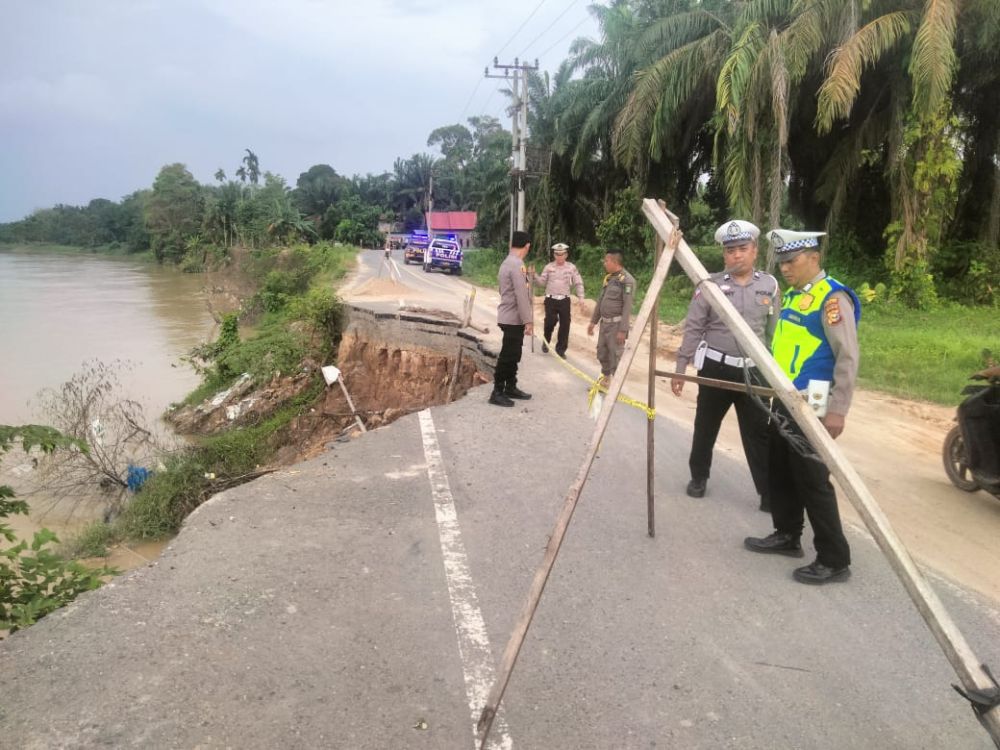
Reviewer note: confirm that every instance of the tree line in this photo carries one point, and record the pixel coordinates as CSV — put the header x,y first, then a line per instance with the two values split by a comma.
x,y
871,119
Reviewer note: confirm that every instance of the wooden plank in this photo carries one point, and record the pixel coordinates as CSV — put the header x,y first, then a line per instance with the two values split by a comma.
x,y
523,622
957,650
726,385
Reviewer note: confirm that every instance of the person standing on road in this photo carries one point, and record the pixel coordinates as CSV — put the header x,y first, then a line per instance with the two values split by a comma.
x,y
815,342
514,319
559,278
713,348
612,311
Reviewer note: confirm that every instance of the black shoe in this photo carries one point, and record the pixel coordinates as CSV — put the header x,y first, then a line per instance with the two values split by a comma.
x,y
778,544
765,504
498,399
696,487
512,391
816,573
561,353
545,348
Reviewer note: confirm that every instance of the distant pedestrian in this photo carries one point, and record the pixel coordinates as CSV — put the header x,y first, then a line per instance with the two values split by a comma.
x,y
816,345
716,354
514,319
559,278
612,312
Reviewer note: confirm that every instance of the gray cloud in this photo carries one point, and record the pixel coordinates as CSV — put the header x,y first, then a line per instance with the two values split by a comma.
x,y
95,97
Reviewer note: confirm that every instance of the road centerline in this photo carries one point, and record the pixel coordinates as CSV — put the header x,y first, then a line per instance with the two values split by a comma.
x,y
473,640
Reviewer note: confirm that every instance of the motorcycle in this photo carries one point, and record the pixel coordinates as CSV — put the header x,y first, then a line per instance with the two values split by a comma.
x,y
972,447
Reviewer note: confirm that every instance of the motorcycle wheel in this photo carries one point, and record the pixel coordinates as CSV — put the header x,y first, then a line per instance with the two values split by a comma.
x,y
954,462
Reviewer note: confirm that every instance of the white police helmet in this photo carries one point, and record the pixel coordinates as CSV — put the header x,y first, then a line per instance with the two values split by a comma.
x,y
787,243
736,232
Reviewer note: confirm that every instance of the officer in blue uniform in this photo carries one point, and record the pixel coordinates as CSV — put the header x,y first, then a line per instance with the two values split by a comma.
x,y
816,340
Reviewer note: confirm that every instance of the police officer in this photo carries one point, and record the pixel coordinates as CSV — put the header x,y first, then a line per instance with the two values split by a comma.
x,y
514,319
713,348
612,312
816,340
559,278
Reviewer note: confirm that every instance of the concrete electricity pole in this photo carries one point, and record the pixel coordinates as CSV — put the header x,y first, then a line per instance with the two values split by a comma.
x,y
519,132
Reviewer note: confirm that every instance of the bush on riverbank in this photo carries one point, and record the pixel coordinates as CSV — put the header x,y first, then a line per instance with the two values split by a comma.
x,y
34,580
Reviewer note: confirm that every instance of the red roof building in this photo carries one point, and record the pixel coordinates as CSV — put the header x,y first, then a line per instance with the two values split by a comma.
x,y
460,223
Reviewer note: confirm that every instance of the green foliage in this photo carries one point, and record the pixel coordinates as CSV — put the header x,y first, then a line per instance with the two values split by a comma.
x,y
192,476
324,312
173,212
913,286
626,228
34,580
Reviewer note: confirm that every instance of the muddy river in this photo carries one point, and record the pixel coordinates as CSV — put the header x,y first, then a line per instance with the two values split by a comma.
x,y
59,311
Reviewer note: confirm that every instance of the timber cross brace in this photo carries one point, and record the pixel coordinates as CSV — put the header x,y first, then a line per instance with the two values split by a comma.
x,y
975,678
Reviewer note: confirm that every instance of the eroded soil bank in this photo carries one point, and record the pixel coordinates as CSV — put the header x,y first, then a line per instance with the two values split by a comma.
x,y
390,365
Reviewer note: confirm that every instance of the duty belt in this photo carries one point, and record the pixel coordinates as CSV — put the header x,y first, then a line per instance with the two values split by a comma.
x,y
557,296
717,356
613,319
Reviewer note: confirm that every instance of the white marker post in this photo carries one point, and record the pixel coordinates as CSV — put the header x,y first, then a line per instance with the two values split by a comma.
x,y
332,375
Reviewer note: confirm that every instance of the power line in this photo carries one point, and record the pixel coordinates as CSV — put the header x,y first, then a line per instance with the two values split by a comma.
x,y
523,24
568,33
554,22
467,103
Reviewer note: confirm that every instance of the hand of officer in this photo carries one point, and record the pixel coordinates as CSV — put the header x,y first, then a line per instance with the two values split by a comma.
x,y
590,329
620,338
834,424
529,329
676,385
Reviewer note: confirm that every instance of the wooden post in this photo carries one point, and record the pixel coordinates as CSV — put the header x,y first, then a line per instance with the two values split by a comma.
x,y
454,374
569,502
968,668
654,321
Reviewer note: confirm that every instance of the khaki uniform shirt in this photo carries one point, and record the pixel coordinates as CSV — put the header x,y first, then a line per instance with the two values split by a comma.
x,y
515,296
758,302
616,299
560,279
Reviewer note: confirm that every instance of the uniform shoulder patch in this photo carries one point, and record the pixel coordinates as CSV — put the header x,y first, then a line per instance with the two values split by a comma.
x,y
832,310
628,288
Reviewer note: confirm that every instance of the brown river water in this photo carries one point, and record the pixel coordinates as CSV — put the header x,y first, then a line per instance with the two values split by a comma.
x,y
59,311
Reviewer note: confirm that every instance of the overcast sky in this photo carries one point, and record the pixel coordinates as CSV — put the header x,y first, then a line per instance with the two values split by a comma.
x,y
97,95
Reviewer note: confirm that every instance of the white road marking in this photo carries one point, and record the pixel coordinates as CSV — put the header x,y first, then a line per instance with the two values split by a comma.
x,y
473,641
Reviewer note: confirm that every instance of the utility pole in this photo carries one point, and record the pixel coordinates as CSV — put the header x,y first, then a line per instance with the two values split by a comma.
x,y
519,132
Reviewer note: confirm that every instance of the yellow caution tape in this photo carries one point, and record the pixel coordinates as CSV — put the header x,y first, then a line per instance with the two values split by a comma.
x,y
600,386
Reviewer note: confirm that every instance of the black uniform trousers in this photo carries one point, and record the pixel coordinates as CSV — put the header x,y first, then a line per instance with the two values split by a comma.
x,y
505,375
557,310
713,404
801,486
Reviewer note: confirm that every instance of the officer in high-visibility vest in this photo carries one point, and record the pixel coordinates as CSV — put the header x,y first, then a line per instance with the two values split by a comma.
x,y
816,341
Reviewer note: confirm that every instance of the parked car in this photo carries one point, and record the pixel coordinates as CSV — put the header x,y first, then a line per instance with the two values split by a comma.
x,y
445,254
416,245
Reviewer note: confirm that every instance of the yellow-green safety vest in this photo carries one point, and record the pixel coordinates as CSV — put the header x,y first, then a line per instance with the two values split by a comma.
x,y
800,345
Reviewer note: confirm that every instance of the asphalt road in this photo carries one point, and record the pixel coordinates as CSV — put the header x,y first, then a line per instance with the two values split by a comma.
x,y
362,599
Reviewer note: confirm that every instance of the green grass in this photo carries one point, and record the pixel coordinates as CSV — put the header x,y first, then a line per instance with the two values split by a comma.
x,y
915,355
926,355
